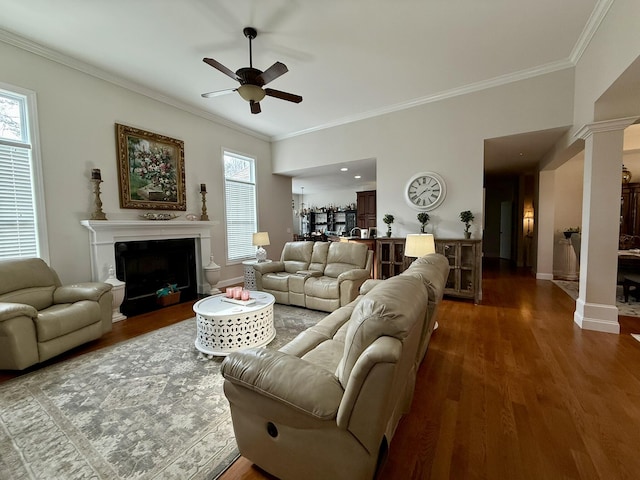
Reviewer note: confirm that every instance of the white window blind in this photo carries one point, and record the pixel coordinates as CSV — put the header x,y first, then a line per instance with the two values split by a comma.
x,y
18,227
240,206
17,219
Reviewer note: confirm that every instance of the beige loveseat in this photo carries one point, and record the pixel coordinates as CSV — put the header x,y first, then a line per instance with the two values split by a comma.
x,y
327,404
318,275
40,318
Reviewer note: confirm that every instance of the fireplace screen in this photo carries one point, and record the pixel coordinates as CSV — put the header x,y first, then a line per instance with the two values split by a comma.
x,y
149,265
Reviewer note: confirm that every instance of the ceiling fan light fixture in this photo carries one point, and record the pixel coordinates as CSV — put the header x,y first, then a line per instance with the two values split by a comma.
x,y
251,92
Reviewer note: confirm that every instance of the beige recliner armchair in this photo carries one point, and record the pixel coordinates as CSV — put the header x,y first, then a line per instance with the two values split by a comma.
x,y
40,318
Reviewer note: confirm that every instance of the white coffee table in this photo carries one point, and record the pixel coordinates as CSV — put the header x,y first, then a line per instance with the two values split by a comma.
x,y
224,327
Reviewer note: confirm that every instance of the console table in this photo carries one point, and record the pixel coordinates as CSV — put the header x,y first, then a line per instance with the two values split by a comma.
x,y
464,257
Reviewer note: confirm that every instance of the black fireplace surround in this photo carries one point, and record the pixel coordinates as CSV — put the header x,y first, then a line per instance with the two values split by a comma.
x,y
148,265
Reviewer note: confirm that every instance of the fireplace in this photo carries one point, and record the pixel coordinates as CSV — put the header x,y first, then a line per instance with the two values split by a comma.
x,y
149,265
105,234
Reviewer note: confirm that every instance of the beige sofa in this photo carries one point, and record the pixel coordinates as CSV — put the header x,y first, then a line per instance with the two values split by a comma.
x,y
318,275
327,404
40,318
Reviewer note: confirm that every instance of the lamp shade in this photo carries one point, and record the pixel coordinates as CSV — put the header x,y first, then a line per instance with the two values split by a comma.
x,y
419,245
261,238
251,92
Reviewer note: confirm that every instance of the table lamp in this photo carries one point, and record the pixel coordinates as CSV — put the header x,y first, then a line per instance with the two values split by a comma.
x,y
419,245
260,239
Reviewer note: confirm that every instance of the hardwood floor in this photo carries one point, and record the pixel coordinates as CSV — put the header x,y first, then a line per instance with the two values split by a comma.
x,y
513,389
509,389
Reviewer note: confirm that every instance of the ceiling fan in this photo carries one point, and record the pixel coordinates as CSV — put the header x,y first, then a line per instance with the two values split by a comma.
x,y
252,80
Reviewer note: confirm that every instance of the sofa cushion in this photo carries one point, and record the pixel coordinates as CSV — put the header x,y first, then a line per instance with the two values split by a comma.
x,y
330,327
296,256
389,309
38,297
322,287
319,256
26,273
276,281
345,256
326,355
62,319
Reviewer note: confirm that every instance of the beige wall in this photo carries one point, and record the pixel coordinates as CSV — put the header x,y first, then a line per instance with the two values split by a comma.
x,y
446,137
77,113
613,48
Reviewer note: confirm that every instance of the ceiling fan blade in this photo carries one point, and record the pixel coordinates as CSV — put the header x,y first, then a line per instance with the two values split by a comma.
x,y
218,93
271,73
255,106
289,97
218,66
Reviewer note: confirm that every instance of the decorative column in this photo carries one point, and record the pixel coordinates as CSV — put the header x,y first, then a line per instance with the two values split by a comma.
x,y
569,263
596,304
118,295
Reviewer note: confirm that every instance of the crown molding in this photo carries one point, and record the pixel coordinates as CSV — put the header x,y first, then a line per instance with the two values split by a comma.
x,y
595,19
436,97
55,56
605,126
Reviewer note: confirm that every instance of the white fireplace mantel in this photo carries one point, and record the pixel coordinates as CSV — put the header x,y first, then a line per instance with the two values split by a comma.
x,y
105,234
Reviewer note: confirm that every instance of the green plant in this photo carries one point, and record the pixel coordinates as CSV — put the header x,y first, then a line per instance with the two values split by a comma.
x,y
466,217
423,218
388,219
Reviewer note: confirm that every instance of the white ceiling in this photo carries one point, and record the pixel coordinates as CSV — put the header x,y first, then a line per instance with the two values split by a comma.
x,y
348,59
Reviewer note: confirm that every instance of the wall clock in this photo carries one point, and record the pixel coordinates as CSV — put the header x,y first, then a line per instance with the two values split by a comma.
x,y
425,191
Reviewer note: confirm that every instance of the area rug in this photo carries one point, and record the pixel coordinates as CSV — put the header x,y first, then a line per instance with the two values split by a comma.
x,y
627,309
148,408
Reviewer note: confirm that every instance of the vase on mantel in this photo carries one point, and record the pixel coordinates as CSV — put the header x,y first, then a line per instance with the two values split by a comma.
x,y
467,235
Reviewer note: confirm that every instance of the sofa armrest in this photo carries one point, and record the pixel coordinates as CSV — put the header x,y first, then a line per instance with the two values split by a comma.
x,y
286,379
269,267
11,310
81,291
355,274
309,273
368,285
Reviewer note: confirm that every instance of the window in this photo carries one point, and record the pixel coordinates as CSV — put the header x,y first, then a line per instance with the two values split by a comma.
x,y
240,206
22,230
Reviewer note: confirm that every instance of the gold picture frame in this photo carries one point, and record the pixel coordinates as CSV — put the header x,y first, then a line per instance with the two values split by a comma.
x,y
150,170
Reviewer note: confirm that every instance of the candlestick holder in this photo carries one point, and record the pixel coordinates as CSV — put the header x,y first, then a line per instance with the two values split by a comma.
x,y
97,214
204,217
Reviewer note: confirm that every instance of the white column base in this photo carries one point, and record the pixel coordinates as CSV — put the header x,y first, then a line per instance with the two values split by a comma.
x,y
117,316
544,276
597,317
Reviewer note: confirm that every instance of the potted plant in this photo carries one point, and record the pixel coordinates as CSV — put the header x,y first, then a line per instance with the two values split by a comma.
x,y
466,217
388,219
570,231
168,295
423,218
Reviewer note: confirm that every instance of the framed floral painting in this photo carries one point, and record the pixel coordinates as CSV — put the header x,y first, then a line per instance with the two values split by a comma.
x,y
150,170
